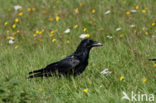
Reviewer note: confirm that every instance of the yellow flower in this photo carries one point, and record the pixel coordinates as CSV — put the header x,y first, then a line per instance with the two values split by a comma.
x,y
16,20
42,30
127,13
153,24
34,35
17,31
13,38
87,35
6,23
40,90
154,65
144,28
8,31
76,10
121,78
135,31
20,14
67,41
51,35
85,90
99,29
94,20
75,26
51,19
80,4
29,9
121,35
54,7
16,47
57,18
9,9
143,11
52,31
8,37
144,80
146,33
146,8
84,29
93,11
20,9
137,7
53,40
14,26
90,22
33,9
44,12
37,32
124,2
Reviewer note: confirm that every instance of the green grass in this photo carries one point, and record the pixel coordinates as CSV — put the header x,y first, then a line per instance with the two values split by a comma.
x,y
125,56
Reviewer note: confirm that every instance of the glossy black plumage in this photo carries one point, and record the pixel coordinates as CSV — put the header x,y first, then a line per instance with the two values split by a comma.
x,y
74,64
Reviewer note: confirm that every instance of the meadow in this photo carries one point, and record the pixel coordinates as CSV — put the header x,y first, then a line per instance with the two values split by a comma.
x,y
34,33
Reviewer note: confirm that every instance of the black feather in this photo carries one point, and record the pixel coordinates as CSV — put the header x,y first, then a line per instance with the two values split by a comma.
x,y
73,64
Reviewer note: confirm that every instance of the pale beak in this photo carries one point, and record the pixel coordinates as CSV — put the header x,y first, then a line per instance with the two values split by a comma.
x,y
97,44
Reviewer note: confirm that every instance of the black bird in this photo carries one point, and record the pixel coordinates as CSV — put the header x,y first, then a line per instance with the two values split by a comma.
x,y
74,64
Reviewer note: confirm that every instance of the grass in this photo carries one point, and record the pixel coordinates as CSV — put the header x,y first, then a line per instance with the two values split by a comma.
x,y
126,54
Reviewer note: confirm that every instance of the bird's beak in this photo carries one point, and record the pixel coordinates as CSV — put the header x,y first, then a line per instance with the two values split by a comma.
x,y
97,44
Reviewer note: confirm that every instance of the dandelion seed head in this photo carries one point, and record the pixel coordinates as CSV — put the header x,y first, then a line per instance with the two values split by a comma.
x,y
11,41
67,31
17,7
107,12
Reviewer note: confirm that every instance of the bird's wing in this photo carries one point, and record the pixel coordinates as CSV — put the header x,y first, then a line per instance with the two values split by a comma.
x,y
67,64
62,66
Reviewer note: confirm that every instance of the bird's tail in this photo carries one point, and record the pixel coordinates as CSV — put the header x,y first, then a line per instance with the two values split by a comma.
x,y
152,59
36,73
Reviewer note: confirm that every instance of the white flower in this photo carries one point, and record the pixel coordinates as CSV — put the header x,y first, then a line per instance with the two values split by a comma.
x,y
133,11
153,36
82,36
132,26
67,31
11,38
107,12
11,41
16,7
110,37
100,86
106,72
118,29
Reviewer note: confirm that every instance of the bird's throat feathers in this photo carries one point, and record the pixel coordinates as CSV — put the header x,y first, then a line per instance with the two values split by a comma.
x,y
83,54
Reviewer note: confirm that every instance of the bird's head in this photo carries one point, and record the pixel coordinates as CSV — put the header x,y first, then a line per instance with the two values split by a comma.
x,y
87,44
